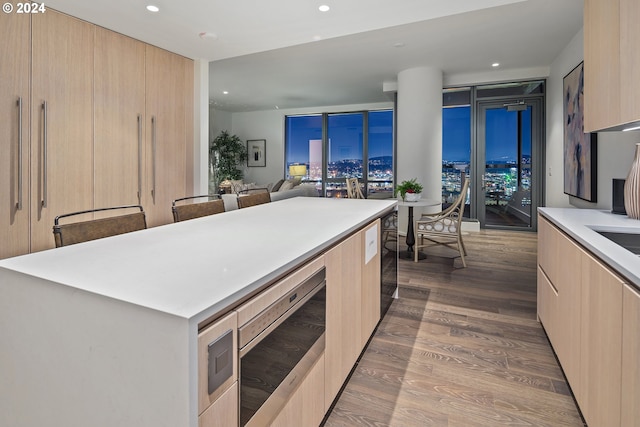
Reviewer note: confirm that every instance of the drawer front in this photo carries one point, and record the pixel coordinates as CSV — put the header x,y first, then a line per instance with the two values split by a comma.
x,y
214,359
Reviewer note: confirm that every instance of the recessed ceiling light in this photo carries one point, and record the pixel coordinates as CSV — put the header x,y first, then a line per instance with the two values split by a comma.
x,y
495,64
152,8
207,35
324,8
226,92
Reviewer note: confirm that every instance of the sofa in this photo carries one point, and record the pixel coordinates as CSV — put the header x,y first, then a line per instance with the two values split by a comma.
x,y
298,190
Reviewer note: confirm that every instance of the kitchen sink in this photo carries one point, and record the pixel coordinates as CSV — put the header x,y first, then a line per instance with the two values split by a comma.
x,y
629,241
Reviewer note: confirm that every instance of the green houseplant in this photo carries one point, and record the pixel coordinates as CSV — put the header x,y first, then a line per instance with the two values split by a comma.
x,y
226,152
411,186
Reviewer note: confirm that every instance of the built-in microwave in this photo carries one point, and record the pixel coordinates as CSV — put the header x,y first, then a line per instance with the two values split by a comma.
x,y
278,347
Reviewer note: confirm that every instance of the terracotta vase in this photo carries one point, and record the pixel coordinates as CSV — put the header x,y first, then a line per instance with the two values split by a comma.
x,y
632,188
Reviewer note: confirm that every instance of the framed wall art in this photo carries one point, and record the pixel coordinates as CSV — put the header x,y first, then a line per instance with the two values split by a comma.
x,y
256,152
580,148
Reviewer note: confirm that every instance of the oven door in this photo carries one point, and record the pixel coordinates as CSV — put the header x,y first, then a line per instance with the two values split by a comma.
x,y
278,350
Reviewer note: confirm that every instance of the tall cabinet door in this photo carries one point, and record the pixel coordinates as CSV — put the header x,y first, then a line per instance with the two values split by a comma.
x,y
344,313
601,64
629,60
166,114
600,344
119,119
61,121
15,51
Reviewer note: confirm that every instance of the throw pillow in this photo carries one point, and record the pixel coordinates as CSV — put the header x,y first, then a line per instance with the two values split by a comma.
x,y
287,185
277,185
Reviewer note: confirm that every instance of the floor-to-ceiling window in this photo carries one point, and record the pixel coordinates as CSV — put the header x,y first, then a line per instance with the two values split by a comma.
x,y
379,151
456,143
325,149
303,148
494,134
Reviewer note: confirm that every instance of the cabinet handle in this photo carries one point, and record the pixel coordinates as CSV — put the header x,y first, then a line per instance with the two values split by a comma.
x,y
19,202
44,154
139,159
153,159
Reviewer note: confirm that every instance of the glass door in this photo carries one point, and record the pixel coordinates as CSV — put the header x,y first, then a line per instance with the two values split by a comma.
x,y
509,150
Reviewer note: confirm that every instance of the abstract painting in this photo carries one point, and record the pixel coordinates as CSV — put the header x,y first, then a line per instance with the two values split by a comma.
x,y
580,148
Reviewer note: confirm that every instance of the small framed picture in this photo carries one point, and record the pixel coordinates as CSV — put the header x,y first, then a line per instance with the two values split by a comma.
x,y
256,152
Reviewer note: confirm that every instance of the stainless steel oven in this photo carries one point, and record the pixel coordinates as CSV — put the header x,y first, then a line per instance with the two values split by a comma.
x,y
278,347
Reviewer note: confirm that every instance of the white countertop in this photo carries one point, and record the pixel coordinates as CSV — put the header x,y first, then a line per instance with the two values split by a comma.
x,y
580,224
195,269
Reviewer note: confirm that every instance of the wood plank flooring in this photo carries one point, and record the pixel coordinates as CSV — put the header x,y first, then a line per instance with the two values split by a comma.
x,y
461,346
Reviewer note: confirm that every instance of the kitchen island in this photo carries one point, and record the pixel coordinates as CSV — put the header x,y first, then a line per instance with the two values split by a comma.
x,y
105,333
589,305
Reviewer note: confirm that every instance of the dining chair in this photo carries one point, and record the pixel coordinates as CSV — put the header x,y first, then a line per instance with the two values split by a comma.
x,y
184,209
245,201
84,231
353,189
443,228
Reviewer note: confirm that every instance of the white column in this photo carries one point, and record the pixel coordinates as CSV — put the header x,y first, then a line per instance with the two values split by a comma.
x,y
419,127
200,127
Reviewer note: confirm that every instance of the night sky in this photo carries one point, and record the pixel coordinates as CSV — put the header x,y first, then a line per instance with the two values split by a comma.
x,y
345,133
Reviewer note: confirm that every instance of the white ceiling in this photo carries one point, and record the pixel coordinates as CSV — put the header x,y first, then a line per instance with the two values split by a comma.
x,y
286,53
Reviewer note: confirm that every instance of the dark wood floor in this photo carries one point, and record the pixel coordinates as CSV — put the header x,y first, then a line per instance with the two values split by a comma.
x,y
461,346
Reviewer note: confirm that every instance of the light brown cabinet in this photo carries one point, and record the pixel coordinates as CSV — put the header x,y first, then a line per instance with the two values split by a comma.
x,y
588,313
143,119
61,121
630,414
119,112
220,407
353,305
15,51
601,344
559,290
167,122
344,313
82,105
601,64
611,87
306,406
629,60
370,299
223,412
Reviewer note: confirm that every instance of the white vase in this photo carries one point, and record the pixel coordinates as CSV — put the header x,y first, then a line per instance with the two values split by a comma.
x,y
632,188
411,197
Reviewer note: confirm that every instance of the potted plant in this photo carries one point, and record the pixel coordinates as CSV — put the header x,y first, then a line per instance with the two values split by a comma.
x,y
409,190
226,152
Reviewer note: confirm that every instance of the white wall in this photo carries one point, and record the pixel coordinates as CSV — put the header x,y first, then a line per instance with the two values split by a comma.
x,y
219,121
615,149
200,126
269,125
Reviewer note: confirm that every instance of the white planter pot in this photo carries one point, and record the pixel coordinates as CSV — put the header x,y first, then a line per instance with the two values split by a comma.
x,y
411,197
